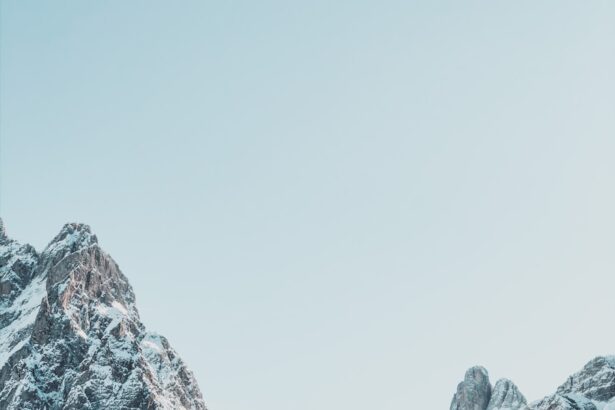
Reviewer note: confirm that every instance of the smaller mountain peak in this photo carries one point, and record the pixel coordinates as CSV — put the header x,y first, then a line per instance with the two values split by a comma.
x,y
2,230
474,392
596,380
506,395
601,361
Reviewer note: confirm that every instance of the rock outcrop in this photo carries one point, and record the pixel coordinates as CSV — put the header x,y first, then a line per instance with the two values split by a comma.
x,y
71,337
474,392
592,388
506,396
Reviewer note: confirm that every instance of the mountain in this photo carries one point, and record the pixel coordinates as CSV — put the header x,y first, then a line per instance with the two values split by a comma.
x,y
71,337
592,388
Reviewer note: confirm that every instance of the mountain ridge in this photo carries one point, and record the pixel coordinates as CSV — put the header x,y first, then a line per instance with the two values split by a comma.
x,y
591,388
71,336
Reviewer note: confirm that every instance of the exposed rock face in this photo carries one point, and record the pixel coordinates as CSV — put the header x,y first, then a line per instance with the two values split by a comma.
x,y
596,381
557,402
592,388
70,334
474,392
506,396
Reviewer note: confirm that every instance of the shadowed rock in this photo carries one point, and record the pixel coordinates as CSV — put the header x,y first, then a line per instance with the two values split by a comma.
x,y
596,380
71,337
474,392
592,388
506,396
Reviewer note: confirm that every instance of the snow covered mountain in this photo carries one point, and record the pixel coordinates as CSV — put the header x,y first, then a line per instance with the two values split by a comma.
x,y
70,334
592,388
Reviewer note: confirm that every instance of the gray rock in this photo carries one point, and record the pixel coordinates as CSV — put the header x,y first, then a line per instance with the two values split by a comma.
x,y
592,388
71,337
596,380
506,396
563,402
17,266
474,392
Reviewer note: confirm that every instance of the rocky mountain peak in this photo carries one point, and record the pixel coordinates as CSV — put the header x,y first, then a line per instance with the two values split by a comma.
x,y
71,238
596,380
506,395
474,392
2,230
71,337
592,388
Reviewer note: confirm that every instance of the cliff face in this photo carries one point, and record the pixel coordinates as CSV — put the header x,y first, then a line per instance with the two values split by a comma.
x,y
592,388
71,337
474,392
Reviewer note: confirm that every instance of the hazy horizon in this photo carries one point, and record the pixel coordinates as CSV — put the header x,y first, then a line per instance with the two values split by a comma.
x,y
330,205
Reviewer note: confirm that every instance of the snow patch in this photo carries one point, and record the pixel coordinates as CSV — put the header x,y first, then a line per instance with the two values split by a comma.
x,y
24,310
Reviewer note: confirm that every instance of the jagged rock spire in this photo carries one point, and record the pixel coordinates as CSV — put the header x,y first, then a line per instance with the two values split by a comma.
x,y
506,395
2,230
474,392
592,388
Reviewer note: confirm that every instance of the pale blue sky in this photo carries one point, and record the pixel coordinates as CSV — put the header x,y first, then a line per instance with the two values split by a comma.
x,y
332,205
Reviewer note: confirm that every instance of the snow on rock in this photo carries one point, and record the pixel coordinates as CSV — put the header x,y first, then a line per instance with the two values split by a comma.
x,y
592,388
506,396
565,402
595,381
22,314
71,337
17,263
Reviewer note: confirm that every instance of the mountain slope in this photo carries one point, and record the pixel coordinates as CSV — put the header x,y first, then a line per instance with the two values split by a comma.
x,y
71,337
592,388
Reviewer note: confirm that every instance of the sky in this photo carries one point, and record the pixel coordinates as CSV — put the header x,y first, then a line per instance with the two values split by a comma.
x,y
332,205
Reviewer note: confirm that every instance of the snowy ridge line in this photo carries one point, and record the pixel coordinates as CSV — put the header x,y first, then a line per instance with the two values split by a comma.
x,y
71,337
